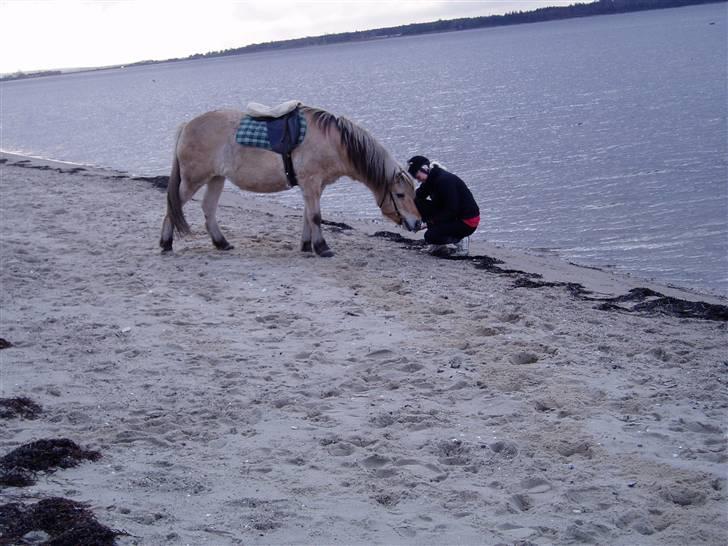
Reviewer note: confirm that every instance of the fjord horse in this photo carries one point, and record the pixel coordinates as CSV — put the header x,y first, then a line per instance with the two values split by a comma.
x,y
206,153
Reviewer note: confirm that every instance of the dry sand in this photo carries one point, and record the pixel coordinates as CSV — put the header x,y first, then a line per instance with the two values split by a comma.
x,y
265,396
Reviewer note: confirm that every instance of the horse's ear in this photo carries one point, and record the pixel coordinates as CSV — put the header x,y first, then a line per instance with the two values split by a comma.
x,y
404,177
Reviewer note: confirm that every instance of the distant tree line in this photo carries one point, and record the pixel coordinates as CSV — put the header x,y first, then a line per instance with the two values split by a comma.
x,y
22,75
599,7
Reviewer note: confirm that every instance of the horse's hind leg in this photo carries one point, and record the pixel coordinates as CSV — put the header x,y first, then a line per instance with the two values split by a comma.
x,y
209,207
165,240
186,191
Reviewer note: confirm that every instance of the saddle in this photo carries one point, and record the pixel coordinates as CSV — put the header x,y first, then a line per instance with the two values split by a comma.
x,y
279,128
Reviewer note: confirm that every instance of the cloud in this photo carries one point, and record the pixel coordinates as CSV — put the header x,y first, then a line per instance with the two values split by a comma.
x,y
80,33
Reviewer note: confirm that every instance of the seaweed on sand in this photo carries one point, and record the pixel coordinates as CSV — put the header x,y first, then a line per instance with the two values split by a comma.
x,y
21,407
66,522
18,467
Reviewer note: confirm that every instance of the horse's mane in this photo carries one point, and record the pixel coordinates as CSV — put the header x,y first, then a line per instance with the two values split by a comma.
x,y
366,155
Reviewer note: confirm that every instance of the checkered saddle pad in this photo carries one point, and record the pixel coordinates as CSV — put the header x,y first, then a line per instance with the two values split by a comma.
x,y
254,132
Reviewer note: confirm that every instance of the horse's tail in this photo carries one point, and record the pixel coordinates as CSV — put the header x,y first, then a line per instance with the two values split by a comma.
x,y
174,203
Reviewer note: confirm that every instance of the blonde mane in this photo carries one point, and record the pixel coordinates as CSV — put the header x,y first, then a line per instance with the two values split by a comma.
x,y
367,157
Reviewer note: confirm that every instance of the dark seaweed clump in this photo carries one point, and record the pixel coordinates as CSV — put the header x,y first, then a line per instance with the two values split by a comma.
x,y
159,182
18,468
338,226
21,407
653,302
66,522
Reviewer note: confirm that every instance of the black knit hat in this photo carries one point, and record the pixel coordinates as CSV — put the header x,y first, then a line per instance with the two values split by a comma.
x,y
416,163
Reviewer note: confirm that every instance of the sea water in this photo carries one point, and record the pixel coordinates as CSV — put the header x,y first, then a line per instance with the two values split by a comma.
x,y
601,139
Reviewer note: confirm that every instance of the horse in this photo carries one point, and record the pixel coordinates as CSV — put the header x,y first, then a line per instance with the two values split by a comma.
x,y
206,153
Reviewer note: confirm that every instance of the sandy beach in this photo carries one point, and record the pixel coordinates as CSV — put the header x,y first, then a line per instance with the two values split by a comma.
x,y
383,396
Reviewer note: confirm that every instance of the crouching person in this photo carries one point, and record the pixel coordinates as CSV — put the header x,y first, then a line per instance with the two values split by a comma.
x,y
446,206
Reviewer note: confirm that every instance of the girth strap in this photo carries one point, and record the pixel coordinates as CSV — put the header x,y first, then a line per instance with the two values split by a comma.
x,y
288,168
283,134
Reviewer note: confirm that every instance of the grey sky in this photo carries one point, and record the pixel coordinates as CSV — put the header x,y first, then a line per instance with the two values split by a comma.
x,y
47,34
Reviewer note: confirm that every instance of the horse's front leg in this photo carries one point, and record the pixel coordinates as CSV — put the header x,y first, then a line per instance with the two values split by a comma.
x,y
312,218
306,235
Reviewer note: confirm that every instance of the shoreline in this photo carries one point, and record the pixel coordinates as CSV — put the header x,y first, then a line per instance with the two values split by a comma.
x,y
550,267
265,396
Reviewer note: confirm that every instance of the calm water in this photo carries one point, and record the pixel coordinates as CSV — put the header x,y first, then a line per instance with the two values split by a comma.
x,y
602,139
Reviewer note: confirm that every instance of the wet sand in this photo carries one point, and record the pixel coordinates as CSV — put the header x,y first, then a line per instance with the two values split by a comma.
x,y
265,396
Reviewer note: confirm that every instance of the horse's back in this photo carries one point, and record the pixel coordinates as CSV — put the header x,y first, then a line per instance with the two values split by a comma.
x,y
215,122
205,140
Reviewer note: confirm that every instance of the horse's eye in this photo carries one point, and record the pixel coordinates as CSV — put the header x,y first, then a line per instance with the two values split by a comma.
x,y
399,195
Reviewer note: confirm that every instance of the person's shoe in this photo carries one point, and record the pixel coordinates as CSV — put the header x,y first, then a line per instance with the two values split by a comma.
x,y
438,250
462,247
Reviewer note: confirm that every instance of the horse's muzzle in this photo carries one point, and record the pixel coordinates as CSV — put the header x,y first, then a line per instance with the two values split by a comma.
x,y
412,226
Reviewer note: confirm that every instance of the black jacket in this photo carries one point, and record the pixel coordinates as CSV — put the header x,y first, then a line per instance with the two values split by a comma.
x,y
449,198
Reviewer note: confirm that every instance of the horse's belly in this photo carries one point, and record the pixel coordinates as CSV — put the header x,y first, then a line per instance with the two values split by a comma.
x,y
258,171
260,186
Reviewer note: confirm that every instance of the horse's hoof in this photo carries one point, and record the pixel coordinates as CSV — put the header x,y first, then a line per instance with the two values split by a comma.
x,y
322,249
167,249
223,245
306,247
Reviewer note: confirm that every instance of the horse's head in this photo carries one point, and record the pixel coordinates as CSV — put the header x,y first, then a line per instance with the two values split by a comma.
x,y
397,201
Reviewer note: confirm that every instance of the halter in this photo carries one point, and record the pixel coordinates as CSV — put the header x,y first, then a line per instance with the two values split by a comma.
x,y
394,201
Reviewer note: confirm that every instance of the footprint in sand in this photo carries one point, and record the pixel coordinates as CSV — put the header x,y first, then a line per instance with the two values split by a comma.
x,y
523,357
536,486
522,502
375,461
454,453
380,353
681,495
340,448
506,449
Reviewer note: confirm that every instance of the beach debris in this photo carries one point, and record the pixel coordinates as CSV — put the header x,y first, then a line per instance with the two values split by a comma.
x,y
57,521
21,407
651,302
4,343
159,182
337,226
18,468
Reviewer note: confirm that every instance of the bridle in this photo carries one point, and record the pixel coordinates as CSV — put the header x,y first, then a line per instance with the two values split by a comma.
x,y
388,192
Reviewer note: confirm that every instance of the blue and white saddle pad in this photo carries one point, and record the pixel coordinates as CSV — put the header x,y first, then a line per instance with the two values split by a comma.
x,y
254,132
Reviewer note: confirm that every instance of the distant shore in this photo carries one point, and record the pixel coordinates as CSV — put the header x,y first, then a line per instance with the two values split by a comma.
x,y
540,15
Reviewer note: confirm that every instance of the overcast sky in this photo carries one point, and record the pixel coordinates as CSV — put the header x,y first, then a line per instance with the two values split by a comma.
x,y
48,34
